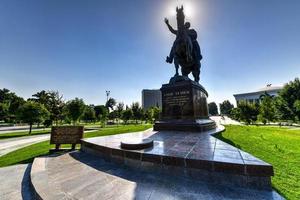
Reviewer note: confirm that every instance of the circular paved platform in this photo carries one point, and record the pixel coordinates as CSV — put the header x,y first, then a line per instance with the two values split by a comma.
x,y
78,175
136,143
190,154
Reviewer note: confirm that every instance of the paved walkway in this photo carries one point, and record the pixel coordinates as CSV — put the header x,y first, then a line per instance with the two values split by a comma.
x,y
82,176
225,120
15,182
14,129
12,144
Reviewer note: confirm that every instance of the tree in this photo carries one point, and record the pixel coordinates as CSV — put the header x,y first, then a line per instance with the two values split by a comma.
x,y
47,123
99,110
283,112
127,115
56,106
297,106
89,114
103,117
287,103
152,114
53,101
33,112
111,102
149,115
120,108
113,115
10,104
4,108
235,114
137,111
266,109
5,94
156,112
212,108
101,113
14,105
226,107
75,109
248,112
41,97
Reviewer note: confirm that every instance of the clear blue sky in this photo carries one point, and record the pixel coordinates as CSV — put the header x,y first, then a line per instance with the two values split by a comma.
x,y
84,47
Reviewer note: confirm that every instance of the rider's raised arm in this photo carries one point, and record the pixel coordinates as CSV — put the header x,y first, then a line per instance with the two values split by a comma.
x,y
171,29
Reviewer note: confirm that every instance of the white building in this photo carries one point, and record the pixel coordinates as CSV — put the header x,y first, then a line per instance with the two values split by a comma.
x,y
254,97
151,98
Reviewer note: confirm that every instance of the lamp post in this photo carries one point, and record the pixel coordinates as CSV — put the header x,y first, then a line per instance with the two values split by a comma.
x,y
107,94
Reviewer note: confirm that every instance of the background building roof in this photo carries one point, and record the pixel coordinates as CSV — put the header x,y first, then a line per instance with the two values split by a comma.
x,y
264,89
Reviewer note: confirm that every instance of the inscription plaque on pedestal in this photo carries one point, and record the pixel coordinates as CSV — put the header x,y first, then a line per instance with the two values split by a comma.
x,y
184,107
184,100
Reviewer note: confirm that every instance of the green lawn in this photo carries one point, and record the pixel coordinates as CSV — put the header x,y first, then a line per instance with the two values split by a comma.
x,y
22,134
27,154
277,146
87,126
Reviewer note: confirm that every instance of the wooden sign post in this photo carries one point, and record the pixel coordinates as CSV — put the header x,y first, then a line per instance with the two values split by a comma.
x,y
66,135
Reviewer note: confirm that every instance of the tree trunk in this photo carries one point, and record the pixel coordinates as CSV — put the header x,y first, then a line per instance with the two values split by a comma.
x,y
30,128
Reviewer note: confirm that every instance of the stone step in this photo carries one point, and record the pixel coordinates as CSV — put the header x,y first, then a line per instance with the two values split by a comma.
x,y
15,182
78,175
196,155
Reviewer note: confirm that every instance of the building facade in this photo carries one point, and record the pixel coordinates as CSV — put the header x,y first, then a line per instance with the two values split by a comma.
x,y
151,98
254,97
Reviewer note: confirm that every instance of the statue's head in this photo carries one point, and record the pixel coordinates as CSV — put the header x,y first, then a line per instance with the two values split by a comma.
x,y
187,25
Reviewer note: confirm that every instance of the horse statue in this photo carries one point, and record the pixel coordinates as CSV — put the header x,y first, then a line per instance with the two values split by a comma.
x,y
186,50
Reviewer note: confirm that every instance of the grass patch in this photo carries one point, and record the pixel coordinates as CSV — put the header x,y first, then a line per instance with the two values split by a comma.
x,y
122,128
277,146
118,130
27,154
22,134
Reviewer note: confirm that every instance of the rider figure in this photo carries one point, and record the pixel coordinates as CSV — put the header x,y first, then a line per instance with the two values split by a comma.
x,y
193,35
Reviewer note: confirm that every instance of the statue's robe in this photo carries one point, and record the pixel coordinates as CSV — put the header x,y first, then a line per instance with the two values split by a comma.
x,y
196,46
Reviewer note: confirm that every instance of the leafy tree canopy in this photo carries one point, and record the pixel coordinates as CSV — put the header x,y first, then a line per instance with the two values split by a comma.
x,y
53,101
89,114
288,101
75,109
33,112
10,104
137,111
212,108
267,109
127,115
247,111
110,104
226,107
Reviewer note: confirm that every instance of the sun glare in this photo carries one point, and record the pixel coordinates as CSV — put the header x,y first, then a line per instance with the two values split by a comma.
x,y
188,10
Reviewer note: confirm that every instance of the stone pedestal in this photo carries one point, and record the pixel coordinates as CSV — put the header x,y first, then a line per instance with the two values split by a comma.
x,y
184,106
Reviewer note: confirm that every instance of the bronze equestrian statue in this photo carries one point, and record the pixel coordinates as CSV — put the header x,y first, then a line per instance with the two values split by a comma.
x,y
186,50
